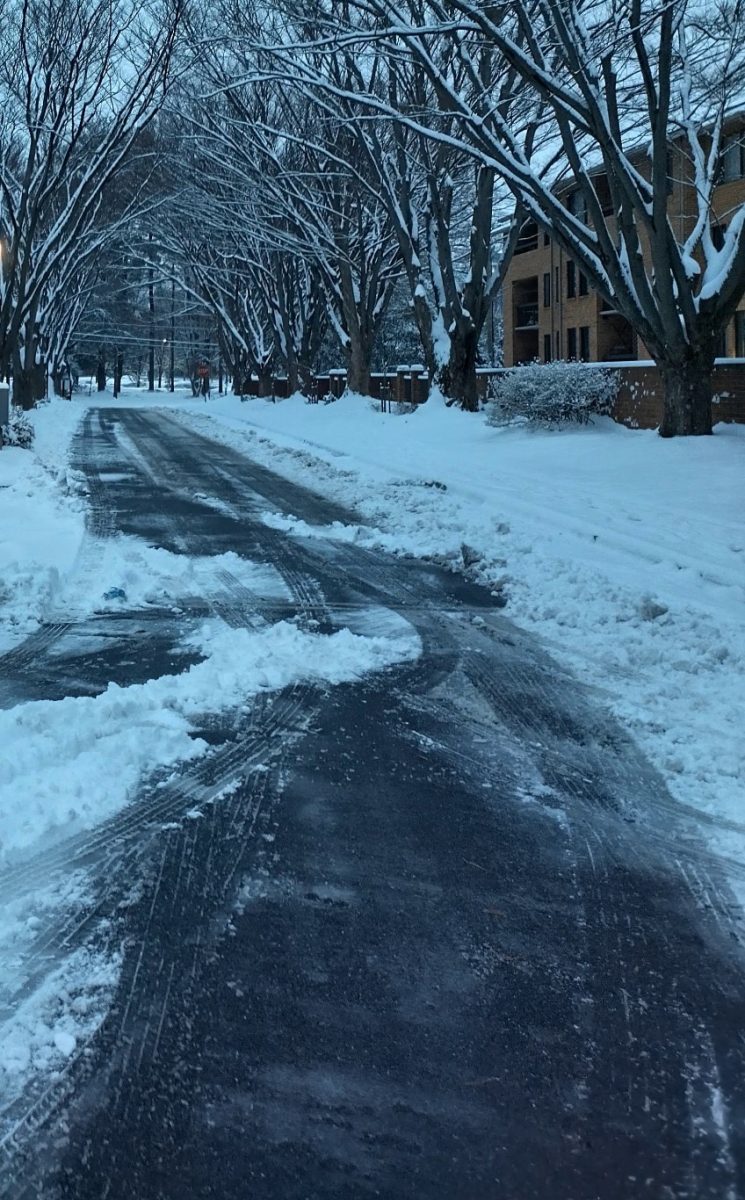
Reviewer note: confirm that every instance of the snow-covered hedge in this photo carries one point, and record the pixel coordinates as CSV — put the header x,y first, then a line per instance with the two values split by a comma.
x,y
18,432
551,394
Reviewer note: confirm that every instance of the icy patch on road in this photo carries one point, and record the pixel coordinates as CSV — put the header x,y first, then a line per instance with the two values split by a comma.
x,y
75,762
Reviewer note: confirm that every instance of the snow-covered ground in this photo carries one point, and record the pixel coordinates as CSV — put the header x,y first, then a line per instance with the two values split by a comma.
x,y
66,765
623,551
56,752
42,521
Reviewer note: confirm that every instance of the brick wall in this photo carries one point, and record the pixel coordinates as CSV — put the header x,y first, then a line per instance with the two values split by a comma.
x,y
639,402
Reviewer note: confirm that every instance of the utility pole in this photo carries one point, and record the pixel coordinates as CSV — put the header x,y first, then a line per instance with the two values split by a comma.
x,y
151,308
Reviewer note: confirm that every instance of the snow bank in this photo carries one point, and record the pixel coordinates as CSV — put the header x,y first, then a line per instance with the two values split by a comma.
x,y
55,1022
42,521
624,551
77,761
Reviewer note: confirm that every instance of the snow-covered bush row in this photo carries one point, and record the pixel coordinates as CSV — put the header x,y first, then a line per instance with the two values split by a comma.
x,y
18,432
551,394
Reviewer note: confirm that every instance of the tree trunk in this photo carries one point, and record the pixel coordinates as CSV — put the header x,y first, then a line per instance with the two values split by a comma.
x,y
118,372
39,373
423,319
304,382
687,397
101,372
151,310
24,386
265,384
291,366
458,378
293,376
358,370
172,361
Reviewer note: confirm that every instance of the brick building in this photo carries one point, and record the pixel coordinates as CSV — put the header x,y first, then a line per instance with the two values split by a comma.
x,y
551,312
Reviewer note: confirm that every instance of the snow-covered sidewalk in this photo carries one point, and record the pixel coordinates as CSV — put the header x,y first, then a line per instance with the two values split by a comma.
x,y
625,552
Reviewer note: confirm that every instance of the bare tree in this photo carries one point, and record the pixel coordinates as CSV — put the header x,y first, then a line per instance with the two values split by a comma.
x,y
267,302
440,204
81,80
284,169
638,103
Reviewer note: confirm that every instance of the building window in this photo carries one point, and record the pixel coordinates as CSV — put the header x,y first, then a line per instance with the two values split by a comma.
x,y
740,334
547,289
717,235
557,341
584,343
571,343
547,347
731,159
582,284
546,240
557,283
571,280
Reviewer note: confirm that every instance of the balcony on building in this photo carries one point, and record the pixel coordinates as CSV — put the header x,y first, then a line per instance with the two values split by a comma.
x,y
528,238
525,319
607,308
616,337
526,316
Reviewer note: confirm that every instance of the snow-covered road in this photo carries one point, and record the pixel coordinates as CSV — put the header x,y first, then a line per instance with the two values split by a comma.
x,y
351,890
624,552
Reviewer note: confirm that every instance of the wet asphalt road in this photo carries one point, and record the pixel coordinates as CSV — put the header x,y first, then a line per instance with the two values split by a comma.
x,y
442,935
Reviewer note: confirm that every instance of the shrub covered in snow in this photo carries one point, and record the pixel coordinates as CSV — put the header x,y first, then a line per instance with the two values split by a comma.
x,y
18,432
551,394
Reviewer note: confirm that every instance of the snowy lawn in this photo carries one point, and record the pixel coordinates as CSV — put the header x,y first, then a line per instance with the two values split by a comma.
x,y
625,552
